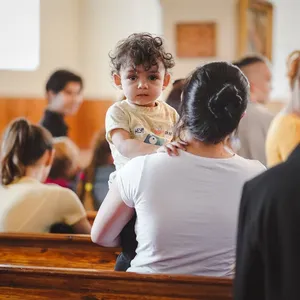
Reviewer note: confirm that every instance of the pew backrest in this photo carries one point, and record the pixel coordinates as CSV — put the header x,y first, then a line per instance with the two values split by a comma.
x,y
55,250
51,283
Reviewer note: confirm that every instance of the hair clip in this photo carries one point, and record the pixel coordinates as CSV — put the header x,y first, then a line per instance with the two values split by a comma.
x,y
88,187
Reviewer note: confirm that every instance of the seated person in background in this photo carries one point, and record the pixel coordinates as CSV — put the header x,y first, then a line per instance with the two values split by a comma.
x,y
93,185
186,205
174,98
253,128
64,95
65,164
27,204
284,132
141,124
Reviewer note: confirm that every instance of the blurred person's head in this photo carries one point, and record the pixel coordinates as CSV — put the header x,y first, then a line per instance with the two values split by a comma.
x,y
214,100
174,98
64,92
293,68
293,73
101,157
140,67
257,70
26,150
66,159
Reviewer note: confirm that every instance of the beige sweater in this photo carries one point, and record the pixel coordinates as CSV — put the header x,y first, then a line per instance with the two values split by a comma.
x,y
252,132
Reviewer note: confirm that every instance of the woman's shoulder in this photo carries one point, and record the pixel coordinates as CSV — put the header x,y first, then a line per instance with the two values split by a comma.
x,y
250,164
55,188
136,162
284,125
58,193
287,120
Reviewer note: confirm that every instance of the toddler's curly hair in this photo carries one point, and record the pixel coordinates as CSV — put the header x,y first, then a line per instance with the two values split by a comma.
x,y
140,49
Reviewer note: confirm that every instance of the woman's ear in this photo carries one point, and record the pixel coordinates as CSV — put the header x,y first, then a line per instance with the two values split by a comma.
x,y
167,79
117,80
50,158
50,95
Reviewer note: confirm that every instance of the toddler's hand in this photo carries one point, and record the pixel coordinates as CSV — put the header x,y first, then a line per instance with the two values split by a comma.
x,y
172,148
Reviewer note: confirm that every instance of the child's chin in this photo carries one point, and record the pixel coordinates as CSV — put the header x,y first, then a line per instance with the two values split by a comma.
x,y
144,102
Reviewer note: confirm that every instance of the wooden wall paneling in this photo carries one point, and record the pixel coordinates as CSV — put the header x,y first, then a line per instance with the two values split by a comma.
x,y
89,120
82,127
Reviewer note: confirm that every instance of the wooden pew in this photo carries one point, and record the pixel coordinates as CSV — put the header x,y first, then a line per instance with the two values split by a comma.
x,y
55,250
49,283
91,215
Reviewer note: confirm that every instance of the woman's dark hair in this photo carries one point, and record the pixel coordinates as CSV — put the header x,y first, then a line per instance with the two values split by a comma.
x,y
214,100
140,49
23,144
174,98
60,78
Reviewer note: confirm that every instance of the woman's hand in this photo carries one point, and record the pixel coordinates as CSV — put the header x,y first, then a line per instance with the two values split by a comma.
x,y
172,148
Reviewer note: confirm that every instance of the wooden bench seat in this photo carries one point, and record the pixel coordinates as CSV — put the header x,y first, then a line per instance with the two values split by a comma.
x,y
50,283
55,250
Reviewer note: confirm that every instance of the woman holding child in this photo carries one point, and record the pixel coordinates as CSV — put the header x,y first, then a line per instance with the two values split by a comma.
x,y
186,205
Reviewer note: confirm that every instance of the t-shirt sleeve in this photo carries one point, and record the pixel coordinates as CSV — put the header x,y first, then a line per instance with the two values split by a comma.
x,y
128,180
69,207
116,118
176,117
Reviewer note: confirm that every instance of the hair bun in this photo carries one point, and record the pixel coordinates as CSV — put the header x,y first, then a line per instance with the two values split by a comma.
x,y
225,103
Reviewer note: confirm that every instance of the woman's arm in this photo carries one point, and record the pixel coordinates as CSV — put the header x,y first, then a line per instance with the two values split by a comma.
x,y
71,211
82,226
112,216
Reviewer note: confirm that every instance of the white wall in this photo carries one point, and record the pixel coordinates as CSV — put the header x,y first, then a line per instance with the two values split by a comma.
x,y
223,12
102,25
286,40
78,34
59,48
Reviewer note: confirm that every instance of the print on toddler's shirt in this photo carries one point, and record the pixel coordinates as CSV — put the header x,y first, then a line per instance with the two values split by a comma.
x,y
154,140
139,130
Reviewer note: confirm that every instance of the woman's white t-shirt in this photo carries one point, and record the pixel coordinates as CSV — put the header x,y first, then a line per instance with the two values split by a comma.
x,y
27,205
187,211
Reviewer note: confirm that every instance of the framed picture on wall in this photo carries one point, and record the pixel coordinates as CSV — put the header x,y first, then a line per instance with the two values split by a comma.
x,y
196,39
255,28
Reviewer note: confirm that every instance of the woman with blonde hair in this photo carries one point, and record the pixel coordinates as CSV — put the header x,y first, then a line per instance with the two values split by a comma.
x,y
66,162
284,132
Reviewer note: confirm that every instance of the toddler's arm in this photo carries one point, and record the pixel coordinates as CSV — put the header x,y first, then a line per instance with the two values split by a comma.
x,y
129,147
